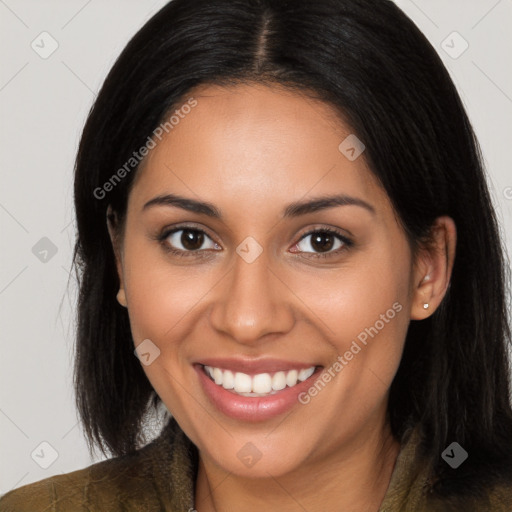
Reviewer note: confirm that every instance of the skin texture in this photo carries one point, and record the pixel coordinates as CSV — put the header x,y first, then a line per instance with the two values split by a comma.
x,y
250,150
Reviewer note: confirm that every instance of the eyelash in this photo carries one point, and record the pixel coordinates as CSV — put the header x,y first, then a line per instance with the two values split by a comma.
x,y
347,243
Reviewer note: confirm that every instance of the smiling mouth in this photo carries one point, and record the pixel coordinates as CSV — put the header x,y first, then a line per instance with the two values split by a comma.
x,y
258,385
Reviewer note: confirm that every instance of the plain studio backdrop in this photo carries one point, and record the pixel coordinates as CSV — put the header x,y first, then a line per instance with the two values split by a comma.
x,y
54,57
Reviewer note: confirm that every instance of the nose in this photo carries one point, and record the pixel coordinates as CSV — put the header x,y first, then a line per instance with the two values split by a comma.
x,y
252,301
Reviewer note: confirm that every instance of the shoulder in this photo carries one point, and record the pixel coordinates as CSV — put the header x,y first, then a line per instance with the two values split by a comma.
x,y
501,497
411,486
143,480
496,499
99,484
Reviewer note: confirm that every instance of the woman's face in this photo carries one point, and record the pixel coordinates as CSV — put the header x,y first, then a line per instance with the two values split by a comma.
x,y
251,290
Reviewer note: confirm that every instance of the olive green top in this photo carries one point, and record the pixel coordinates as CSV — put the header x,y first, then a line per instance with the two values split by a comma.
x,y
161,477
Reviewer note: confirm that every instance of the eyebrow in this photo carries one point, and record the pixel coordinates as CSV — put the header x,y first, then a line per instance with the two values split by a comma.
x,y
295,209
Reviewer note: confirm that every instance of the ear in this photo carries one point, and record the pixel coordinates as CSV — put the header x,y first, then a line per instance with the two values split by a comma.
x,y
114,233
433,269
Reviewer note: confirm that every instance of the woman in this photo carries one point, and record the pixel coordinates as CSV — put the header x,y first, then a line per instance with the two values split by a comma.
x,y
281,209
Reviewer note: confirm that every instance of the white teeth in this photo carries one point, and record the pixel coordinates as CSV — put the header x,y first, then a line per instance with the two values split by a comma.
x,y
305,373
243,382
228,380
291,378
261,384
279,381
217,375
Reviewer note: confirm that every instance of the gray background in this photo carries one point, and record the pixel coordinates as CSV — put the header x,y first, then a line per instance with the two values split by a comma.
x,y
43,104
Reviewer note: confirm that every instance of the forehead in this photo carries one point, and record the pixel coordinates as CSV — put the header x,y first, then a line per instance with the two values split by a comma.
x,y
254,143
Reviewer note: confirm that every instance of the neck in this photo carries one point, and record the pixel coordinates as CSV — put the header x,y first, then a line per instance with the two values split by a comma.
x,y
355,478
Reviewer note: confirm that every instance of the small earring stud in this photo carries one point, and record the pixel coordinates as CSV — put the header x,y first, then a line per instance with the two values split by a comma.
x,y
425,306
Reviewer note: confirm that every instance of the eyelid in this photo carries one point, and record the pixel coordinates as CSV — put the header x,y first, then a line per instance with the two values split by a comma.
x,y
347,242
167,231
327,229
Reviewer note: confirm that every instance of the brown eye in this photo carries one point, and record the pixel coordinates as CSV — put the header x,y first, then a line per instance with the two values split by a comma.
x,y
191,239
321,241
188,240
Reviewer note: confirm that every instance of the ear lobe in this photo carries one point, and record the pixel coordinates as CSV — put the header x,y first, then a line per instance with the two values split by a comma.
x,y
113,230
433,269
121,297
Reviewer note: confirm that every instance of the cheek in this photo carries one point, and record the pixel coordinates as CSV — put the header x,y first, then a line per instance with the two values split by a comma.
x,y
363,312
160,300
159,294
354,297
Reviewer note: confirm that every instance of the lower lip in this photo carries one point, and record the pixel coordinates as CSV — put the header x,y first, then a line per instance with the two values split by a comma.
x,y
252,408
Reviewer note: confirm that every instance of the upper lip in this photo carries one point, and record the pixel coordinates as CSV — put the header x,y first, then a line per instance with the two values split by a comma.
x,y
254,366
